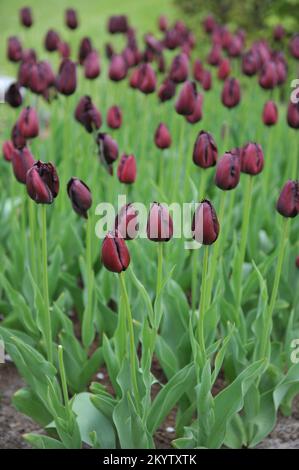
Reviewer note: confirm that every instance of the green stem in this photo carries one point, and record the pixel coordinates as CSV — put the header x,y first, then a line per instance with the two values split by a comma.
x,y
203,184
31,215
202,306
48,332
159,282
194,282
63,380
87,327
179,162
161,171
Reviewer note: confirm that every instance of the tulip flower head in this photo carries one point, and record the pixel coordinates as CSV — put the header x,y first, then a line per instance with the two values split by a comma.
x,y
80,196
293,115
71,19
26,17
42,183
146,79
205,150
252,159
118,68
84,49
87,114
115,254
166,90
196,116
52,40
288,201
205,225
114,117
14,49
185,104
107,150
22,160
162,136
66,81
159,223
231,93
92,67
7,150
17,137
13,95
28,123
127,170
270,113
126,222
228,171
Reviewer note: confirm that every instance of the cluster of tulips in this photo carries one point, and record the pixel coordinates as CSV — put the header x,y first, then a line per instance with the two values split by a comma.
x,y
202,420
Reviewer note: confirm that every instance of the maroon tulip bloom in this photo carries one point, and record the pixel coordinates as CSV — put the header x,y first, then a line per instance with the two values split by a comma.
x,y
206,80
28,123
14,49
209,24
71,19
297,262
80,196
64,49
198,70
205,150
52,40
92,67
185,103
288,201
146,79
29,55
127,170
66,81
231,93
172,39
166,90
108,149
159,223
250,63
7,150
196,116
114,117
268,77
252,159
42,183
293,115
278,33
162,137
40,77
24,73
118,68
235,47
17,137
22,160
87,114
294,46
163,23
118,24
214,56
126,222
115,254
224,69
84,49
228,171
13,95
129,57
270,113
179,69
26,17
205,225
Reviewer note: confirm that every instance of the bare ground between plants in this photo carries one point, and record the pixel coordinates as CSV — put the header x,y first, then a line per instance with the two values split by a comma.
x,y
13,424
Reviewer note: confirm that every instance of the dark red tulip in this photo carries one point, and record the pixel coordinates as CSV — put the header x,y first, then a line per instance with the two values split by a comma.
x,y
146,79
92,67
14,49
214,56
114,117
42,182
205,225
268,76
205,150
159,223
166,90
270,113
40,77
278,33
294,46
64,49
115,254
134,78
71,19
84,49
118,68
22,160
252,159
17,137
231,93
235,47
29,55
66,81
118,24
108,148
126,222
297,262
281,72
153,44
179,69
80,196
7,150
228,171
288,201
13,95
197,70
162,137
52,40
127,170
87,114
196,116
206,80
185,103
224,69
209,24
163,23
172,39
24,73
129,56
28,123
250,63
293,115
26,17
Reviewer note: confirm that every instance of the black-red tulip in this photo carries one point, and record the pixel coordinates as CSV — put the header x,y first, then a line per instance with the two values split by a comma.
x,y
108,149
17,137
80,196
252,159
66,81
293,115
278,32
26,17
87,114
206,80
114,117
185,103
146,79
115,254
28,123
205,225
92,67
126,222
166,90
52,40
22,160
159,223
196,116
118,24
84,49
270,113
40,77
162,136
198,70
163,23
7,150
294,46
288,201
14,49
250,63
214,56
118,68
179,69
228,171
127,170
231,93
13,95
42,182
209,24
71,18
268,76
205,150
64,49
224,69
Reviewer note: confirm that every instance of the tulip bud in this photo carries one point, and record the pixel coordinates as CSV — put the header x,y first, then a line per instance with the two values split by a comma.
x,y
52,40
205,150
22,160
278,32
126,222
297,262
109,51
197,70
17,137
224,69
126,170
159,223
64,49
14,49
118,24
87,114
293,115
252,159
235,47
108,149
206,80
209,24
270,113
214,56
205,225
71,19
185,103
42,183
163,23
92,67
118,68
294,46
26,17
179,69
84,49
28,123
196,116
114,117
268,77
13,95
80,196
24,72
231,93
166,90
146,79
41,76
162,137
288,201
115,254
66,81
7,150
250,63
228,171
